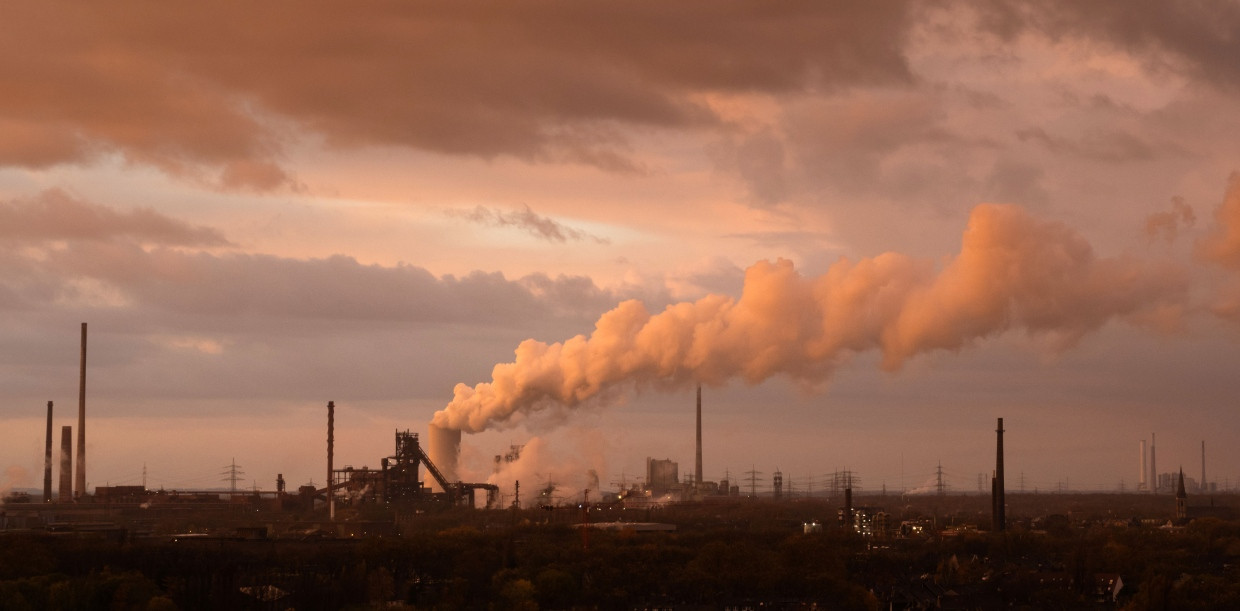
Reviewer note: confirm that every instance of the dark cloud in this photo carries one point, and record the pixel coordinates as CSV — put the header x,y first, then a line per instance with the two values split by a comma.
x,y
209,93
55,249
1166,224
56,215
334,288
1200,36
541,227
1098,145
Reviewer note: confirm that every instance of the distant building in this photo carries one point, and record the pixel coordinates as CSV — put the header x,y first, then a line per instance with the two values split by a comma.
x,y
662,476
867,521
1170,482
120,494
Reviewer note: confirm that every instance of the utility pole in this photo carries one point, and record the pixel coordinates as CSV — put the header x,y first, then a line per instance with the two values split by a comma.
x,y
585,520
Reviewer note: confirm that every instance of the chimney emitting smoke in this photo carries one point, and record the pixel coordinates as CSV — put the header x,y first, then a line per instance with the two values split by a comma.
x,y
443,447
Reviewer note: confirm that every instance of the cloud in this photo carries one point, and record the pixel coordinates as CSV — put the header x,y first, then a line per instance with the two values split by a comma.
x,y
219,95
1203,36
541,227
58,250
15,476
1012,272
1167,224
56,215
1222,244
1106,146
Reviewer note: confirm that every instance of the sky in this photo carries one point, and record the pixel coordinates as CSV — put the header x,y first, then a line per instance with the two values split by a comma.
x,y
868,229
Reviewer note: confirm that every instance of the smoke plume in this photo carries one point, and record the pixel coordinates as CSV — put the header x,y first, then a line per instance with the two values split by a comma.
x,y
14,477
1012,272
553,478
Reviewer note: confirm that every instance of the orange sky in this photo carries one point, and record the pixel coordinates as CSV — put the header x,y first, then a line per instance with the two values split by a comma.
x,y
937,217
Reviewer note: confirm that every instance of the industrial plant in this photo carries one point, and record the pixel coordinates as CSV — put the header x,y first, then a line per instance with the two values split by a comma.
x,y
285,540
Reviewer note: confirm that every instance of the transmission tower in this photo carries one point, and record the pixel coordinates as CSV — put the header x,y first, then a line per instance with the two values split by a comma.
x,y
753,474
938,480
231,474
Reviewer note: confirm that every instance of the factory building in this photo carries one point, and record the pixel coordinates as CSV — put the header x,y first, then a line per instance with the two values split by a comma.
x,y
662,476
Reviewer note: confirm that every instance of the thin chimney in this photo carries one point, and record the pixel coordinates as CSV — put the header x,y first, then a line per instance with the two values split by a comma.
x,y
999,500
1153,467
331,427
66,464
80,487
47,459
698,471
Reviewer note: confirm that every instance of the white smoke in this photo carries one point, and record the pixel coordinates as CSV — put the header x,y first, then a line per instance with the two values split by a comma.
x,y
570,474
1012,272
14,477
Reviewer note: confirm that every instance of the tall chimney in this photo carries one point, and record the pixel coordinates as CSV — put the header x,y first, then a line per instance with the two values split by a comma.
x,y
80,487
999,500
47,458
66,464
1142,471
697,472
1203,465
1153,468
331,427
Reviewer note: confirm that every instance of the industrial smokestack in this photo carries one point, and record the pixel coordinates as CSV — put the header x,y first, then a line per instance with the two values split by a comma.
x,y
1153,467
1143,470
1203,465
999,500
80,488
697,472
331,444
47,458
66,464
443,446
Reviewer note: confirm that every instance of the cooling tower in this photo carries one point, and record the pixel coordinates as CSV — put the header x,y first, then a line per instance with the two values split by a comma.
x,y
443,447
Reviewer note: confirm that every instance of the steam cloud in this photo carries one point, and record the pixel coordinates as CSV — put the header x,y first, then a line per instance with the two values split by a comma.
x,y
570,474
1013,272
